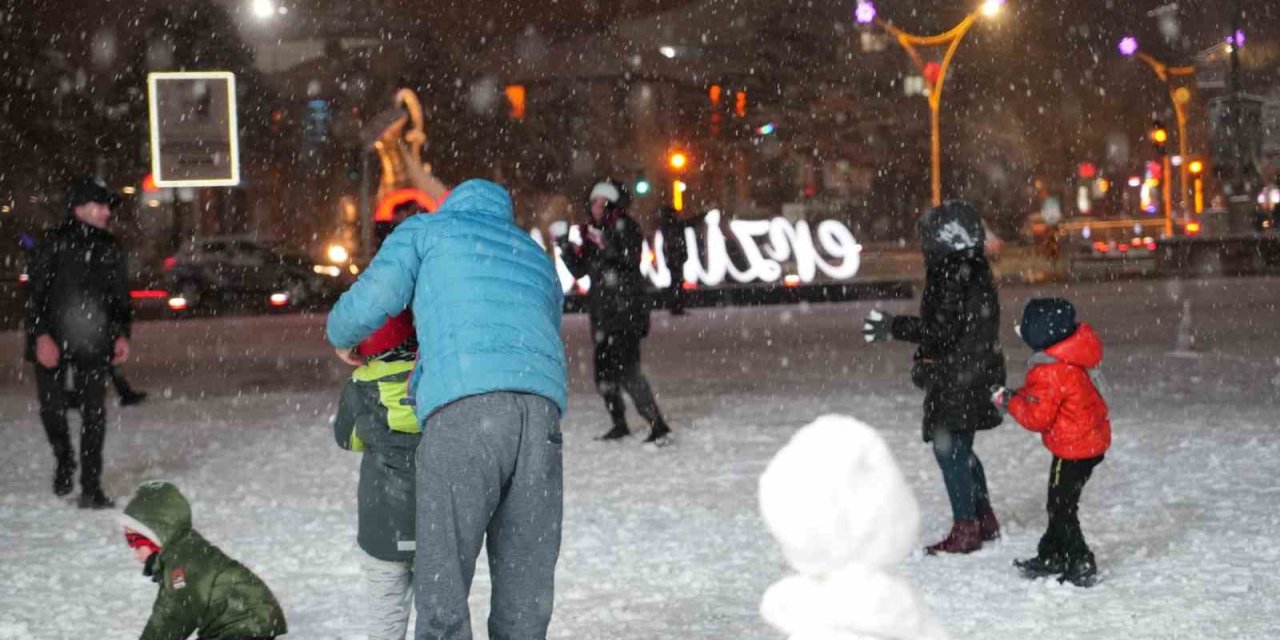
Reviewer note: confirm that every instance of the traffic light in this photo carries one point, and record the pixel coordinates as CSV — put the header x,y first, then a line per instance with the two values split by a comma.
x,y
677,161
642,187
1159,136
1197,169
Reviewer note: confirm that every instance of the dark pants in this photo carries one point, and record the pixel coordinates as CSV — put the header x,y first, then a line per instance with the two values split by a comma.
x,y
962,472
1063,538
89,389
676,294
618,369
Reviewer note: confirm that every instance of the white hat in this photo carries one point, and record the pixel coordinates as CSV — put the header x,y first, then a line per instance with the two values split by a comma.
x,y
605,190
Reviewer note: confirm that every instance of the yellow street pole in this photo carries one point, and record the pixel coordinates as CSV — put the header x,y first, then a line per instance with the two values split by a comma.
x,y
1180,96
952,39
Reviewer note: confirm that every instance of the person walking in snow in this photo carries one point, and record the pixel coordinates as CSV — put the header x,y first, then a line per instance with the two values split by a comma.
x,y
202,590
675,251
78,321
373,419
957,362
489,390
618,306
1061,402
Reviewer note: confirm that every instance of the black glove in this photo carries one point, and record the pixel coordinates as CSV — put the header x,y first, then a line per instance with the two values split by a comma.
x,y
1001,396
878,326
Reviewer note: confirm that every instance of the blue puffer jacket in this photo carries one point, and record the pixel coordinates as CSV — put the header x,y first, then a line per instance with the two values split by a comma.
x,y
486,301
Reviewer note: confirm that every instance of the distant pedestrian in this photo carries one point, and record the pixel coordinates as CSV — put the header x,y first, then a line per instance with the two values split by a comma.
x,y
618,306
957,362
675,252
78,327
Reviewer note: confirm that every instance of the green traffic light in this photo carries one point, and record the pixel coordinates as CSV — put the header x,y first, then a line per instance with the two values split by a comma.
x,y
642,187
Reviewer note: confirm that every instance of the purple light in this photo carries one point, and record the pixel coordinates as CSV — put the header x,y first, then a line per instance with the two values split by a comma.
x,y
1128,46
1239,38
865,13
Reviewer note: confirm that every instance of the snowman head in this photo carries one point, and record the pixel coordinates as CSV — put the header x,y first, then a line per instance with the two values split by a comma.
x,y
833,496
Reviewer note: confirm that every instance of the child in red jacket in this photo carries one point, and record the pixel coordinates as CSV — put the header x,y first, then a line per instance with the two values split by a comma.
x,y
1061,402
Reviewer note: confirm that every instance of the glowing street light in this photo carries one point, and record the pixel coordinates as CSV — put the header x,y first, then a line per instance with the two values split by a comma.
x,y
865,13
991,8
677,160
1128,46
263,9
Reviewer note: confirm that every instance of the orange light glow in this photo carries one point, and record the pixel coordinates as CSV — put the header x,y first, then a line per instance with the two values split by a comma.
x,y
386,208
516,96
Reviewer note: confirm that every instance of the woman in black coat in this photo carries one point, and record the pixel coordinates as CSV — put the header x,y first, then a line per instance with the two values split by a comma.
x,y
957,362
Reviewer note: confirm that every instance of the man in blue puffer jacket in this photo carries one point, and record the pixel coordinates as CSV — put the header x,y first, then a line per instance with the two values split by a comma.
x,y
489,387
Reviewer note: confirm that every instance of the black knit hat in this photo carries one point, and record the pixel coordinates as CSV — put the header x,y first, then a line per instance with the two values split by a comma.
x,y
85,189
951,227
1046,322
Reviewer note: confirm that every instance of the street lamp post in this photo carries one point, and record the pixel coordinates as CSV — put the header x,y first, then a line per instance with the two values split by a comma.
x,y
865,13
1174,79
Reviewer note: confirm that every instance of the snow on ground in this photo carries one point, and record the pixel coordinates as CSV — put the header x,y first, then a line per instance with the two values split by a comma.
x,y
1183,515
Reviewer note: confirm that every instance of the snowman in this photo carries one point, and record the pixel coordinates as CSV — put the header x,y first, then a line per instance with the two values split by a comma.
x,y
839,507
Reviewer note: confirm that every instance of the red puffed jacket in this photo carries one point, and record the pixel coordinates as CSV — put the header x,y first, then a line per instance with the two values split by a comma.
x,y
1061,402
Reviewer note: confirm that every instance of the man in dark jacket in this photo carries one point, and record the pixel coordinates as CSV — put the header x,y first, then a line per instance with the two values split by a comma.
x,y
958,361
610,253
78,320
675,252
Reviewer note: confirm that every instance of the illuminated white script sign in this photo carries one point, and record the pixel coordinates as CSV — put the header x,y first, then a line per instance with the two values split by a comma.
x,y
773,249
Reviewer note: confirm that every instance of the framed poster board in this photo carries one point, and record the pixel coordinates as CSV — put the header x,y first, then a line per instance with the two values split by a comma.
x,y
194,136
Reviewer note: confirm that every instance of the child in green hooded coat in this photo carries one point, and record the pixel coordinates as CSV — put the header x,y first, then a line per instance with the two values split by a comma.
x,y
202,590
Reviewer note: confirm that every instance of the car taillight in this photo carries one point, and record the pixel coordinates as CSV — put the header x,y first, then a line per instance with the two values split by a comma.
x,y
279,299
177,303
170,263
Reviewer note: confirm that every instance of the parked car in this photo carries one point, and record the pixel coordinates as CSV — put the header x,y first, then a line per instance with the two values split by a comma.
x,y
234,271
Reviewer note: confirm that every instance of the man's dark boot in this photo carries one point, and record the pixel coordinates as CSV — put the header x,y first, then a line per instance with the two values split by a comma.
x,y
660,435
1040,567
130,398
618,432
1081,571
965,537
64,477
988,523
96,500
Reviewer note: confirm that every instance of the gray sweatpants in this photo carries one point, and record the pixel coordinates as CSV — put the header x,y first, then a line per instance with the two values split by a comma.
x,y
489,465
389,597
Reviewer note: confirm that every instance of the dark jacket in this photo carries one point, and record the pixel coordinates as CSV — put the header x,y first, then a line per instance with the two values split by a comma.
x,y
617,301
371,418
78,293
674,248
959,358
201,589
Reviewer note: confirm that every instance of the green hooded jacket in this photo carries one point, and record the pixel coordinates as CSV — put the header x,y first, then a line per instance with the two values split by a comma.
x,y
201,589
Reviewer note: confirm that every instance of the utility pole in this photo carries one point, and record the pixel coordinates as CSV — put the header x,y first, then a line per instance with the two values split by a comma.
x,y
1240,184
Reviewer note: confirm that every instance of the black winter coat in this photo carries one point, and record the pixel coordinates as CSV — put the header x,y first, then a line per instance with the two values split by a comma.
x,y
617,301
78,293
959,358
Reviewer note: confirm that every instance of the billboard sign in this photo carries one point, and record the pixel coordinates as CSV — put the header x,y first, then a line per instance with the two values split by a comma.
x,y
194,139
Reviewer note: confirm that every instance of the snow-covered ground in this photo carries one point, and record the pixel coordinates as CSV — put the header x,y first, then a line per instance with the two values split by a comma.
x,y
1183,515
